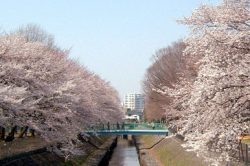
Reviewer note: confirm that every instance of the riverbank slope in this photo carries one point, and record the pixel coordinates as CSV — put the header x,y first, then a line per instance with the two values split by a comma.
x,y
169,152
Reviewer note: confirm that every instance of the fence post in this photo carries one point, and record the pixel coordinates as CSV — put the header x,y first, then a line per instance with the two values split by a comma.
x,y
241,150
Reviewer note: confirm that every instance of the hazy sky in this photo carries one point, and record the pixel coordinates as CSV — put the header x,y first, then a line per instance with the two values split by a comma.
x,y
114,38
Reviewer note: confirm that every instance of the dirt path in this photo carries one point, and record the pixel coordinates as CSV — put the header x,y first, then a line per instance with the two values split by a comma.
x,y
21,145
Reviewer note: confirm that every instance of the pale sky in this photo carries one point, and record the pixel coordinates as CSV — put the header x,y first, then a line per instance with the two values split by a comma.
x,y
114,38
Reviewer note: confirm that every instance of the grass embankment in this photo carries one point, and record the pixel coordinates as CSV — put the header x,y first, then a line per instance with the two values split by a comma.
x,y
169,152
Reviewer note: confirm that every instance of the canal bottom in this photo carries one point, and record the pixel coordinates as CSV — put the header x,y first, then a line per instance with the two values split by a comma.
x,y
124,154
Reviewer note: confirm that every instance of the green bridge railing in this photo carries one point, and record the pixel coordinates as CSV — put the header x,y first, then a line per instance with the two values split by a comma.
x,y
128,126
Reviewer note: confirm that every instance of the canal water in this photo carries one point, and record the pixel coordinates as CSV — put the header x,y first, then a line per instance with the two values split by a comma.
x,y
124,154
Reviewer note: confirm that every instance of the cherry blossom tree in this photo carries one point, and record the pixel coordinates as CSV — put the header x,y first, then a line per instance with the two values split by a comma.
x,y
42,88
219,107
210,91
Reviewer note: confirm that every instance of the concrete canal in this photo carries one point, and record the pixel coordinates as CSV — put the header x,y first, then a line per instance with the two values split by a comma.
x,y
125,153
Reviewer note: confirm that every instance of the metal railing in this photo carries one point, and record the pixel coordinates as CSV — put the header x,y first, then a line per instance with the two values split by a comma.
x,y
128,126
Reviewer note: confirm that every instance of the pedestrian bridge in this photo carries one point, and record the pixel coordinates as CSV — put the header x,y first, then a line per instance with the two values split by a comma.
x,y
128,129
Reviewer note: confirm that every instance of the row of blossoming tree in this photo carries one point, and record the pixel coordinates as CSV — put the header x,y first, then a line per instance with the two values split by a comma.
x,y
41,87
202,85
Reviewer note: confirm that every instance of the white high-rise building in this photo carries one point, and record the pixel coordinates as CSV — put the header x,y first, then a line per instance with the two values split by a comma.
x,y
134,101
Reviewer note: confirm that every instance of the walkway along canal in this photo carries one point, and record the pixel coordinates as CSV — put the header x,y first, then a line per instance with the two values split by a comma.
x,y
125,153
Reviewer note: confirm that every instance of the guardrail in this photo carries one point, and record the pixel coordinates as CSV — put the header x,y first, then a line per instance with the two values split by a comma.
x,y
128,126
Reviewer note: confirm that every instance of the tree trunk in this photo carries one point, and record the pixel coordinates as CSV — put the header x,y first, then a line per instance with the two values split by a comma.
x,y
32,132
10,137
2,133
23,131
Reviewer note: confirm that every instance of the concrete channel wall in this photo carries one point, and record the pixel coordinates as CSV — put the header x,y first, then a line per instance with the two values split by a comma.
x,y
144,157
102,156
